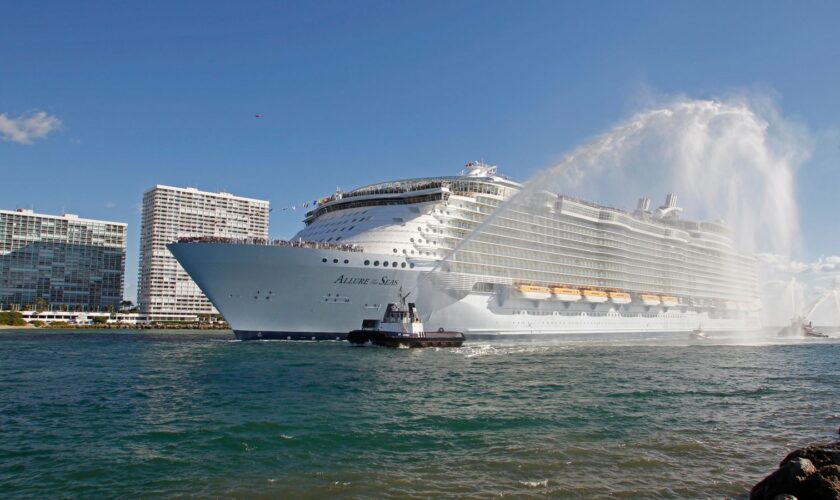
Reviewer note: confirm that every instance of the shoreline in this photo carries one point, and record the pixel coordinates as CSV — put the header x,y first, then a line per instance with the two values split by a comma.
x,y
115,327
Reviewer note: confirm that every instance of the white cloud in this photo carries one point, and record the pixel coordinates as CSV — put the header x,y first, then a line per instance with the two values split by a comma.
x,y
25,129
782,264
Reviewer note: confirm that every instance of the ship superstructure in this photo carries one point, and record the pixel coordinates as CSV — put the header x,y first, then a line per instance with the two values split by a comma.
x,y
550,264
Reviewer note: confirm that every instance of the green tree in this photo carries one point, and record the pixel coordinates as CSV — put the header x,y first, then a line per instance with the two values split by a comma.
x,y
12,318
41,304
100,320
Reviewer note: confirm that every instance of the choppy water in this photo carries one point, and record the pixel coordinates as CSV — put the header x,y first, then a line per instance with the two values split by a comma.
x,y
166,414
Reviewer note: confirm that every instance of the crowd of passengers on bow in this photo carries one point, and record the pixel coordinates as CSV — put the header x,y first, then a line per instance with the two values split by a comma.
x,y
346,247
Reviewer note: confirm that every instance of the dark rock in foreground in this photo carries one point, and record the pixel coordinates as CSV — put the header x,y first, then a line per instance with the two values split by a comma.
x,y
806,473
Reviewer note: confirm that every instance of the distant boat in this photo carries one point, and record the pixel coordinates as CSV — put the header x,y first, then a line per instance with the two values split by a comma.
x,y
698,334
798,328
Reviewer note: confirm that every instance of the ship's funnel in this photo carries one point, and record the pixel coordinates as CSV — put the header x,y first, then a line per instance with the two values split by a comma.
x,y
644,204
670,200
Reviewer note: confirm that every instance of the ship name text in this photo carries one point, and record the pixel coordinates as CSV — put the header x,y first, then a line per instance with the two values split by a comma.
x,y
347,280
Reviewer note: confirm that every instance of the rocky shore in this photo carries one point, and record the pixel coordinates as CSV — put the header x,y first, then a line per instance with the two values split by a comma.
x,y
812,472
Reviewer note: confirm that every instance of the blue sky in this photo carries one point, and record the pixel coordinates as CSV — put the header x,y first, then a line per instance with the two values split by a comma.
x,y
356,92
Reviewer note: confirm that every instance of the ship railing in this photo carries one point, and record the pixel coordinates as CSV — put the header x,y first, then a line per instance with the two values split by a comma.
x,y
318,245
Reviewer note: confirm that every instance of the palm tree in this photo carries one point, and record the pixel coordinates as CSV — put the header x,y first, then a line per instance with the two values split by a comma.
x,y
41,304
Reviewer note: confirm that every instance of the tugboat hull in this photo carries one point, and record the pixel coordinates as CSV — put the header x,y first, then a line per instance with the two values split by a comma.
x,y
384,339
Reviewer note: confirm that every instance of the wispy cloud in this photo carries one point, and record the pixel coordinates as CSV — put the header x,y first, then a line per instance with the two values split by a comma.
x,y
779,263
25,129
110,204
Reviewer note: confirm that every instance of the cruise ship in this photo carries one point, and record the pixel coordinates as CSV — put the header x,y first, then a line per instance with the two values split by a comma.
x,y
476,262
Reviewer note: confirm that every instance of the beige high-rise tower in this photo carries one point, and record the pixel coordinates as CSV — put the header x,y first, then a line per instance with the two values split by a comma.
x,y
165,292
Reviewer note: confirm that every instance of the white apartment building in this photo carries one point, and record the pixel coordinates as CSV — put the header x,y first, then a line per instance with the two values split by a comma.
x,y
60,262
165,292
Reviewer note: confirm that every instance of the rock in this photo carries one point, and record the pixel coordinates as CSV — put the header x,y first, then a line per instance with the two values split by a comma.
x,y
807,473
787,479
819,455
824,484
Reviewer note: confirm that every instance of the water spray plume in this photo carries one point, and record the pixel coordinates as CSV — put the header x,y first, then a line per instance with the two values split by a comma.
x,y
726,160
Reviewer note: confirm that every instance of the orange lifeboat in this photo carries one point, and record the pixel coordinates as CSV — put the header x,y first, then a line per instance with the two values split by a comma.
x,y
650,300
534,292
669,301
620,297
565,294
595,296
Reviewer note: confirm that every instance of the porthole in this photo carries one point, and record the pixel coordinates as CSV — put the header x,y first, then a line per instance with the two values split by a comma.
x,y
335,261
411,265
367,262
395,250
323,260
346,261
402,265
376,263
393,264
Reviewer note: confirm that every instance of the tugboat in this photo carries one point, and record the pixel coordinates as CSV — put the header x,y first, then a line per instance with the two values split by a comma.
x,y
401,327
798,327
698,334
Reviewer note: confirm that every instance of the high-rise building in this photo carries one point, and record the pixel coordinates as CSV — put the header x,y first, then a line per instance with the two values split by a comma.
x,y
60,262
165,292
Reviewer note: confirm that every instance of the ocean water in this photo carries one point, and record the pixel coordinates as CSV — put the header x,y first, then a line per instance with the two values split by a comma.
x,y
156,414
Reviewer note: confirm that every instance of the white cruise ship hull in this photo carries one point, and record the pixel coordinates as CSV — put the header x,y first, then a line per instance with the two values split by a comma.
x,y
272,292
279,292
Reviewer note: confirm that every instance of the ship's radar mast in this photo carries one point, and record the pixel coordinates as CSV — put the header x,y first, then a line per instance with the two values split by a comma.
x,y
480,169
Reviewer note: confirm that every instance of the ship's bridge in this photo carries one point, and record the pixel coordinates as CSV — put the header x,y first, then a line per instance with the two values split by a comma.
x,y
479,180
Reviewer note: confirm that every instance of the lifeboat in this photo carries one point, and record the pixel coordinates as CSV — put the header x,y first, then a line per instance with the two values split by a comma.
x,y
620,297
650,300
566,294
596,296
669,301
534,292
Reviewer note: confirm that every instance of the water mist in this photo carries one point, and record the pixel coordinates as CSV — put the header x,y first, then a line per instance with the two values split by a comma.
x,y
729,161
